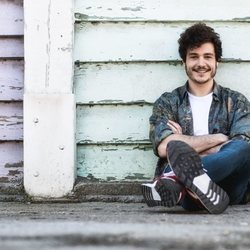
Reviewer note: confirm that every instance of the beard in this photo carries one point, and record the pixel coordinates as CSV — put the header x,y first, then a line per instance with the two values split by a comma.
x,y
201,75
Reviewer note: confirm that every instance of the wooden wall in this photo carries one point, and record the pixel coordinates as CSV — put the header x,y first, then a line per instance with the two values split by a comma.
x,y
126,55
11,93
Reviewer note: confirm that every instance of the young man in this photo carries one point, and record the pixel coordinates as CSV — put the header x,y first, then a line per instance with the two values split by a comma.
x,y
201,134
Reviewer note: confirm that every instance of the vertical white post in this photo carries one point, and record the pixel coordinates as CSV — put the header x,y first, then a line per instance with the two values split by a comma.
x,y
49,104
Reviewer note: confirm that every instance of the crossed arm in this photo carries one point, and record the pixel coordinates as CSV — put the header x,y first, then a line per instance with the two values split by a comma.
x,y
203,144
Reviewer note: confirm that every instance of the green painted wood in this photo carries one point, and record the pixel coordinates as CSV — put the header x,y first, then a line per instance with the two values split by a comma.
x,y
105,83
112,123
126,54
161,10
134,41
115,163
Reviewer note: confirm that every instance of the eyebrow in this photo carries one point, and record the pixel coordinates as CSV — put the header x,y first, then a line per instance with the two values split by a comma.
x,y
206,54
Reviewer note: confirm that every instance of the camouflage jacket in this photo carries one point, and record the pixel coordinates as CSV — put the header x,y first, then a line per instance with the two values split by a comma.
x,y
229,114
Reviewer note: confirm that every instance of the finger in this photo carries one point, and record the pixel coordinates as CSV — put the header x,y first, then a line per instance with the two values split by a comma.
x,y
176,128
173,128
176,125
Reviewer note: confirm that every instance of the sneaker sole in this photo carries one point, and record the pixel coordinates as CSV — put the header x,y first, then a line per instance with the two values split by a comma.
x,y
162,194
187,166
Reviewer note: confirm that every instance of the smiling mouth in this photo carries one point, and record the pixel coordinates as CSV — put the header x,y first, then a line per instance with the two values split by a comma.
x,y
201,71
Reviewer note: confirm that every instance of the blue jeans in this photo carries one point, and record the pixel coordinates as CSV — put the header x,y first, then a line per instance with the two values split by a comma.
x,y
230,169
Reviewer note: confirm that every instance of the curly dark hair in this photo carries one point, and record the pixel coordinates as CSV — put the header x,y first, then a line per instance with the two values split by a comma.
x,y
195,36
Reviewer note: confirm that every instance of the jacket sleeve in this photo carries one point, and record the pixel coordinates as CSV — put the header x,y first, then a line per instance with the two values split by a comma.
x,y
240,126
159,129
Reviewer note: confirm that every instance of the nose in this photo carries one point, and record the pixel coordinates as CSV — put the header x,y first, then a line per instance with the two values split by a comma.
x,y
201,61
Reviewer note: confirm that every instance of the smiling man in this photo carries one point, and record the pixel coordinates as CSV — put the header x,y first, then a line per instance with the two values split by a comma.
x,y
201,134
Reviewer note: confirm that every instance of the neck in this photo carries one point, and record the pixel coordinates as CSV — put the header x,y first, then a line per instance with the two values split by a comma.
x,y
200,89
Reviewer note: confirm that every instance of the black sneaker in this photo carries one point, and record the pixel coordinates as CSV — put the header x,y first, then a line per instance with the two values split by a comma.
x,y
246,197
163,192
187,166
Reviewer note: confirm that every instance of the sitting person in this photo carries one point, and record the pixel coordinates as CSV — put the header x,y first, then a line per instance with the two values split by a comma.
x,y
201,134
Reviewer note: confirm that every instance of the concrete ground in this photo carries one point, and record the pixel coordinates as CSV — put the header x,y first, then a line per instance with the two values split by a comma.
x,y
104,225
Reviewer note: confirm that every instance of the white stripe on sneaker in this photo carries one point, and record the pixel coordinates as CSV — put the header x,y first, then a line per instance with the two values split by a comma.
x,y
155,194
202,182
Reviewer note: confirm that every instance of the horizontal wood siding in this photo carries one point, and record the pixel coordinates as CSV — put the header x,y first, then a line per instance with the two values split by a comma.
x,y
112,123
115,162
156,42
11,93
11,80
12,162
11,18
11,128
161,10
126,55
138,82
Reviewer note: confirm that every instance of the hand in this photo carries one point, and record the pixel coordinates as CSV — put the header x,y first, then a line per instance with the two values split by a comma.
x,y
175,127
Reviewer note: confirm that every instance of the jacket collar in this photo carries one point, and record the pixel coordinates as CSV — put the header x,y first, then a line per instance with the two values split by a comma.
x,y
216,91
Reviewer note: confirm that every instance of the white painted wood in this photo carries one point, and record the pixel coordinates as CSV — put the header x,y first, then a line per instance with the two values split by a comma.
x,y
133,82
11,47
11,89
11,80
116,162
11,18
11,121
161,10
49,144
48,43
11,161
156,41
49,105
112,123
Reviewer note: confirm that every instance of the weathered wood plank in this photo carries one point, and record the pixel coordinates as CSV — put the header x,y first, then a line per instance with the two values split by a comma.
x,y
115,162
11,47
135,82
11,121
11,80
161,10
156,42
11,18
112,123
11,161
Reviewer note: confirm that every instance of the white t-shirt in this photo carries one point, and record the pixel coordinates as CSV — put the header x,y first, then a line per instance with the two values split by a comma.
x,y
200,106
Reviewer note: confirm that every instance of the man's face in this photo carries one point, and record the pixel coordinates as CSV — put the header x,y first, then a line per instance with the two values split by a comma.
x,y
201,64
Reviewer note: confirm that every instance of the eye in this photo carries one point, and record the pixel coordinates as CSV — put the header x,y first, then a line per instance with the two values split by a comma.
x,y
193,57
208,56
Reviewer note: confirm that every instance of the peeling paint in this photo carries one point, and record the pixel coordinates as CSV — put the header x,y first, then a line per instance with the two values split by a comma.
x,y
90,177
138,8
4,179
144,147
242,18
14,165
136,176
111,178
109,81
15,172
